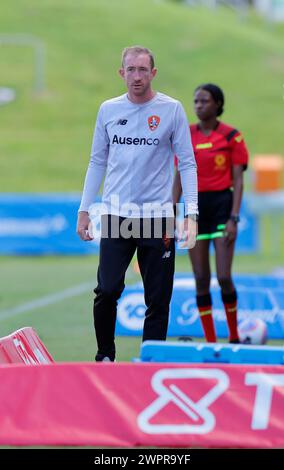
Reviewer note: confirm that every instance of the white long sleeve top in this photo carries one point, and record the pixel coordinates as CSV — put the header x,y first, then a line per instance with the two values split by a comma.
x,y
133,147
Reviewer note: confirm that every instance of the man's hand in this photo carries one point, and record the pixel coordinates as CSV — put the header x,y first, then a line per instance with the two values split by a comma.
x,y
189,233
84,226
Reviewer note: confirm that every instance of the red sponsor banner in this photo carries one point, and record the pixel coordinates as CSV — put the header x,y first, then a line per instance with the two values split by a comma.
x,y
138,404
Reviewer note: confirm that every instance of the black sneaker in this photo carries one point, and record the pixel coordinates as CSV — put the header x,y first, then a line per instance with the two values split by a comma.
x,y
185,338
235,341
102,358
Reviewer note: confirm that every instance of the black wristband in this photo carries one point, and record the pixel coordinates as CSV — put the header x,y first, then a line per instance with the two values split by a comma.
x,y
235,218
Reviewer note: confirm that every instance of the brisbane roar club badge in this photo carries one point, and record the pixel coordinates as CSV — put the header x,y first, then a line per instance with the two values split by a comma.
x,y
153,122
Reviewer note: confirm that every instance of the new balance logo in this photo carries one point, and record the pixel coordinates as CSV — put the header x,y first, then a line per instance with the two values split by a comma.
x,y
167,254
122,122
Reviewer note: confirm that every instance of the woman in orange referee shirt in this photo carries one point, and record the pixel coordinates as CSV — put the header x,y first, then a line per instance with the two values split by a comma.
x,y
221,157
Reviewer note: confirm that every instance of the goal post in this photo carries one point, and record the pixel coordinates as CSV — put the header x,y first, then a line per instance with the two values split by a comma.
x,y
38,46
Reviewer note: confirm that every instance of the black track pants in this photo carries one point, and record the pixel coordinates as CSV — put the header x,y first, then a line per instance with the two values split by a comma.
x,y
156,262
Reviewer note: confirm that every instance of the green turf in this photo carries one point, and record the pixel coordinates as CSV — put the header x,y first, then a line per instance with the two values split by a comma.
x,y
46,138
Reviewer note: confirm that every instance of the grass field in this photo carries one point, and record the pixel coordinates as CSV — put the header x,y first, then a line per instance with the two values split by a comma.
x,y
46,138
65,325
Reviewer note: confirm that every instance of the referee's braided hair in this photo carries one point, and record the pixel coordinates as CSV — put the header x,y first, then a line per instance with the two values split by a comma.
x,y
216,93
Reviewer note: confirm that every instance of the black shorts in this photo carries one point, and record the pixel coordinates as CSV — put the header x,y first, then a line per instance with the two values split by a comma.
x,y
214,211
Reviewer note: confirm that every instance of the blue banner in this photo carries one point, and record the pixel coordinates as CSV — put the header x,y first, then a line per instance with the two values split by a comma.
x,y
258,297
38,224
248,240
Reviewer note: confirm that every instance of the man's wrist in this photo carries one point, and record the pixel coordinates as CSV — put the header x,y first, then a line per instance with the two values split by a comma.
x,y
192,217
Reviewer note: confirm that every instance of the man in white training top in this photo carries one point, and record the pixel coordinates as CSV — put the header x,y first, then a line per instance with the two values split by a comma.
x,y
136,137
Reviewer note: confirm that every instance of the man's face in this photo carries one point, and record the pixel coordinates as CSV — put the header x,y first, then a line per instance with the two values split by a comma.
x,y
137,74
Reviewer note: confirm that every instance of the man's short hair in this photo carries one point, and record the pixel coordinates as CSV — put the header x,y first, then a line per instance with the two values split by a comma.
x,y
138,50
